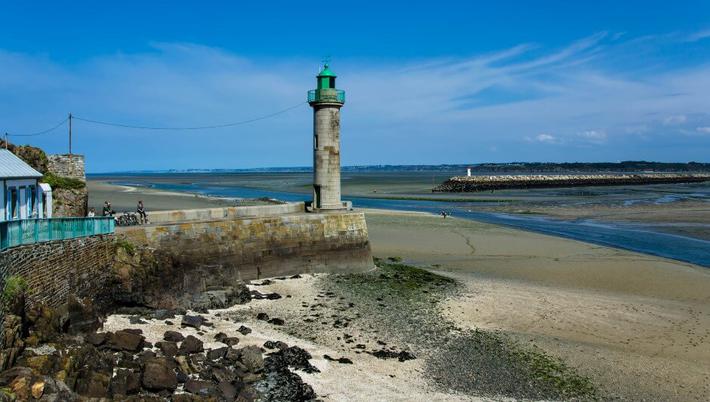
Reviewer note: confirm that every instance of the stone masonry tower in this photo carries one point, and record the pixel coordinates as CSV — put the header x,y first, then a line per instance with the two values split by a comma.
x,y
326,102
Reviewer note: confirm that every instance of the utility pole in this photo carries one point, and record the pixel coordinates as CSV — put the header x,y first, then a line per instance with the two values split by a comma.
x,y
69,134
6,141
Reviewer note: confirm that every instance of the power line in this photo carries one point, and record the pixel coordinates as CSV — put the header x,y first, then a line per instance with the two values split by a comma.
x,y
47,131
105,123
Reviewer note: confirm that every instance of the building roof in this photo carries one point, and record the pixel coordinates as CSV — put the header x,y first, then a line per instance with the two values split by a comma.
x,y
12,167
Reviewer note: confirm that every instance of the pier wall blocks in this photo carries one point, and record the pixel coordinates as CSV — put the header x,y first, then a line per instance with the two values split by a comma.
x,y
209,214
67,165
55,270
265,246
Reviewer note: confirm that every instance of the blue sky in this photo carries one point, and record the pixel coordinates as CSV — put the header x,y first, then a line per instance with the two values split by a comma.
x,y
443,82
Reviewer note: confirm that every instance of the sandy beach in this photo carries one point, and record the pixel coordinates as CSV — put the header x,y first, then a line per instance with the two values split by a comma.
x,y
638,326
125,198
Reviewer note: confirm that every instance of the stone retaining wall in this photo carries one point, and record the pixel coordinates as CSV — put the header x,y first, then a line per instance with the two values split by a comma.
x,y
67,165
55,270
266,246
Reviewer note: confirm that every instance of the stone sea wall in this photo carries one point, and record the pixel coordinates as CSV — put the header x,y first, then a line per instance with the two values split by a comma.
x,y
264,246
485,183
56,270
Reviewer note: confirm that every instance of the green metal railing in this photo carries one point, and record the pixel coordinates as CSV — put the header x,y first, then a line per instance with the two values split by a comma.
x,y
326,95
30,231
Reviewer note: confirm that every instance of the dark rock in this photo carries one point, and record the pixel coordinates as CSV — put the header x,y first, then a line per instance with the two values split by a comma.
x,y
194,321
251,357
231,341
147,345
182,377
158,375
167,322
136,331
342,360
276,321
244,330
124,340
256,295
136,320
222,374
173,336
163,314
297,276
125,382
232,354
262,317
229,391
216,354
389,354
249,394
197,387
82,316
283,385
220,337
294,357
275,345
94,384
169,349
191,345
96,338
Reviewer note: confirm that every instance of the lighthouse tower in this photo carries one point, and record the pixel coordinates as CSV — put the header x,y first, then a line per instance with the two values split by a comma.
x,y
326,102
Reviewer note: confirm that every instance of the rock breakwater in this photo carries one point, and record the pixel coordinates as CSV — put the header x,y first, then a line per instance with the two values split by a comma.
x,y
463,184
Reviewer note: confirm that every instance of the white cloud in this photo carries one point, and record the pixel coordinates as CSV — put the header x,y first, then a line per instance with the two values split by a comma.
x,y
546,138
675,120
593,136
700,35
703,130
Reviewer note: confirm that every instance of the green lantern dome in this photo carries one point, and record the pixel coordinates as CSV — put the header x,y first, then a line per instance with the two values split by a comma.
x,y
326,72
326,91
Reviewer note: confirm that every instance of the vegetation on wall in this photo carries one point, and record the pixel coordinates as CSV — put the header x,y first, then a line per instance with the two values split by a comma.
x,y
59,182
15,286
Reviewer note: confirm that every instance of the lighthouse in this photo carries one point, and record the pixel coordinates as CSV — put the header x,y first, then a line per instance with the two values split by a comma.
x,y
326,102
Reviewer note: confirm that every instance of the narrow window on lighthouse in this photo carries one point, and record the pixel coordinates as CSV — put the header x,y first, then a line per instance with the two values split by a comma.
x,y
315,142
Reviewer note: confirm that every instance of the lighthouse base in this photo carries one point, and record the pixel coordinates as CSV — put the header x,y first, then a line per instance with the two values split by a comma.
x,y
343,206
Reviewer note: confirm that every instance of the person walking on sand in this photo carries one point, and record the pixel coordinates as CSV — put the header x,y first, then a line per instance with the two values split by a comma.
x,y
141,211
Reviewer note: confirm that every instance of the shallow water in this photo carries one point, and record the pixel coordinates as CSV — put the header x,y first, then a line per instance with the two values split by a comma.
x,y
640,237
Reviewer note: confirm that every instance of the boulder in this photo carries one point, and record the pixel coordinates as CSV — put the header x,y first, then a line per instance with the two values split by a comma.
x,y
173,336
198,387
96,338
191,345
216,354
194,321
169,349
251,357
159,375
125,382
125,340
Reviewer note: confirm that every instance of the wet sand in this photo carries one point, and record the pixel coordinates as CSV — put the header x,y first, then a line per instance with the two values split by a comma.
x,y
639,326
125,198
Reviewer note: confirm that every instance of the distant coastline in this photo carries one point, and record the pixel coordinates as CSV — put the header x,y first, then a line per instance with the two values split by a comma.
x,y
481,168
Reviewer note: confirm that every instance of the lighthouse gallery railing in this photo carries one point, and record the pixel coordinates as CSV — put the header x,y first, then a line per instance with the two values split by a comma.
x,y
326,95
31,231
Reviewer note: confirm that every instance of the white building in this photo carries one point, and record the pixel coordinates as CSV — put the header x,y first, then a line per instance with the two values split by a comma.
x,y
21,193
